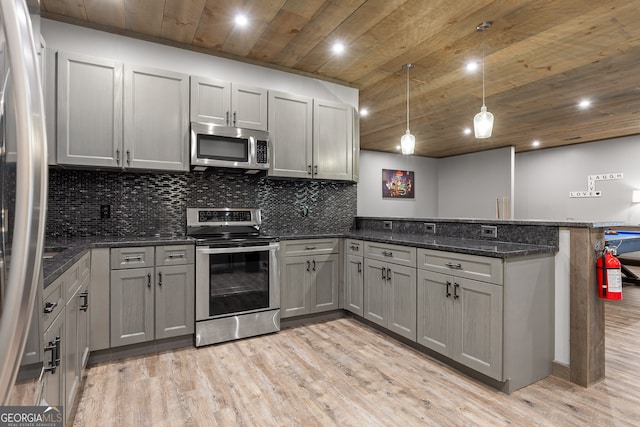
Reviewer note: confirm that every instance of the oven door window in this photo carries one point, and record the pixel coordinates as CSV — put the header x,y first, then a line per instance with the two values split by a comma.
x,y
238,282
223,148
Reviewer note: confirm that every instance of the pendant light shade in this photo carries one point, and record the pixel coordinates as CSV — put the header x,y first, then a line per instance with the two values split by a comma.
x,y
408,141
483,121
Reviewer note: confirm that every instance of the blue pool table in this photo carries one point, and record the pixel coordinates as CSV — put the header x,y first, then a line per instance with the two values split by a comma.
x,y
624,241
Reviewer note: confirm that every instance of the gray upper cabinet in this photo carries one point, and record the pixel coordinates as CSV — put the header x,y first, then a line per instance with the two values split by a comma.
x,y
291,131
228,104
332,140
156,119
311,138
115,115
89,111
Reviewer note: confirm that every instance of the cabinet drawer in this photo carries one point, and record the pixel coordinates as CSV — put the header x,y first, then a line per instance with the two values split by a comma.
x,y
175,254
137,257
354,247
475,267
309,247
403,255
52,301
76,275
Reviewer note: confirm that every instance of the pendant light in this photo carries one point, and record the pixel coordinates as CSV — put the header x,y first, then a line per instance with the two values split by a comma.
x,y
408,141
483,121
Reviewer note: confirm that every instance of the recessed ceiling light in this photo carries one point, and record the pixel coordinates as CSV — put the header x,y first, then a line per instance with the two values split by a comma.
x,y
338,47
241,20
472,66
584,104
467,131
364,112
536,143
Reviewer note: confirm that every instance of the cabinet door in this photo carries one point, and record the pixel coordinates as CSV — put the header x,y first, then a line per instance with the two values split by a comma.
x,y
210,101
295,297
89,111
401,300
290,128
84,337
375,283
52,379
353,285
324,286
477,335
435,311
249,106
156,125
132,308
332,140
71,357
175,290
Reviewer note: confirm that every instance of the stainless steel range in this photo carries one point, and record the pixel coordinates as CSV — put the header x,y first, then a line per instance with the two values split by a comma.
x,y
237,275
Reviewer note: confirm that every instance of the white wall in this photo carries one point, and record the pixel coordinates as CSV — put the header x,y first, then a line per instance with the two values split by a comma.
x,y
544,179
72,38
469,184
370,201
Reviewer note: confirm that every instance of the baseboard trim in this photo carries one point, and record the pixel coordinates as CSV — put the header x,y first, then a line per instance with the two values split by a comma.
x,y
560,370
135,350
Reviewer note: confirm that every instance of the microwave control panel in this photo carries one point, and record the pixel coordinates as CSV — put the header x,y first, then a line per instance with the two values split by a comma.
x,y
261,151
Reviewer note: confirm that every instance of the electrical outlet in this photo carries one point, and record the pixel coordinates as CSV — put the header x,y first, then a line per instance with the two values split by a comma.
x,y
105,211
387,225
429,227
489,231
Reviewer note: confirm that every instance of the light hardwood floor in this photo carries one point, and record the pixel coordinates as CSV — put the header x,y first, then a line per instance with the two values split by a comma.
x,y
343,373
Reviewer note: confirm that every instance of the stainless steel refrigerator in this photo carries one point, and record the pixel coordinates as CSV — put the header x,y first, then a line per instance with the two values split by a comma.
x,y
23,179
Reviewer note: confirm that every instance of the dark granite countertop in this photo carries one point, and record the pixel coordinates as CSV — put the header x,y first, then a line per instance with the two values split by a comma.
x,y
494,249
568,223
68,251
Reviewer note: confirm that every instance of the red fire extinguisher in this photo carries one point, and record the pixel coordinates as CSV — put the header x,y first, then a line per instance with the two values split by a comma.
x,y
609,274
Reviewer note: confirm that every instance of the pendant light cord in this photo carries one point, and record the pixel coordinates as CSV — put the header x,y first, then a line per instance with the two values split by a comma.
x,y
408,68
483,68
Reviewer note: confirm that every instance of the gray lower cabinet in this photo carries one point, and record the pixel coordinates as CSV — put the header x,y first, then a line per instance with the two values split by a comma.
x,y
492,315
150,302
53,379
354,277
390,287
309,276
461,319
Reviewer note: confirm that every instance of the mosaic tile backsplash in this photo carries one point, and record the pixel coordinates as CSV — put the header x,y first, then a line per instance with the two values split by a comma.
x,y
149,204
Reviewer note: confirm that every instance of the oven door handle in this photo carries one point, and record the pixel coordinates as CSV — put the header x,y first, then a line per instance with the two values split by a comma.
x,y
235,250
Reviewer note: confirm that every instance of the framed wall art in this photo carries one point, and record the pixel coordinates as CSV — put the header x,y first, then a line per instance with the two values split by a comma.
x,y
397,184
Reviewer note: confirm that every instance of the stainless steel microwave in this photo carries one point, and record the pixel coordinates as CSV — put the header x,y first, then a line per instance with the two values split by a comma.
x,y
229,147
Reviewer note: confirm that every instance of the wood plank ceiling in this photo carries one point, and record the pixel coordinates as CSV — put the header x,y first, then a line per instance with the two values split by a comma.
x,y
541,57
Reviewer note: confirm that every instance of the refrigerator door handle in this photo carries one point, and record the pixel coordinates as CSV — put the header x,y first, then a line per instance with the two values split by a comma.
x,y
31,191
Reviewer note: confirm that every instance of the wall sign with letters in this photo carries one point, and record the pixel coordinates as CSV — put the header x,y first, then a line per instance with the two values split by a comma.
x,y
591,185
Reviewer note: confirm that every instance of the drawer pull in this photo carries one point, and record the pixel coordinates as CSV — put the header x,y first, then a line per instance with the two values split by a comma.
x,y
387,253
50,306
133,258
176,255
310,248
84,306
355,247
457,266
